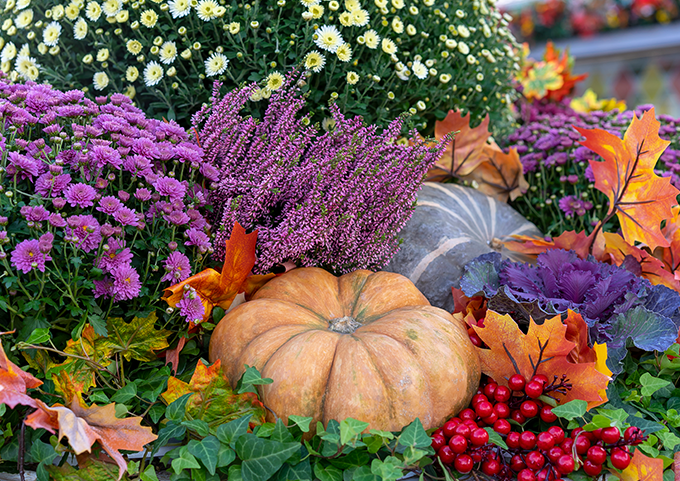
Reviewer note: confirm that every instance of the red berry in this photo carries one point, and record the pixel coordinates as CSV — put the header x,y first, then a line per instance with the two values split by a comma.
x,y
491,467
517,463
492,418
566,445
462,429
565,464
597,454
477,398
502,394
458,444
513,440
463,463
484,409
475,339
438,431
545,441
591,469
472,424
534,389
490,389
596,433
502,426
540,378
630,433
516,382
582,444
547,414
438,442
554,454
611,435
476,456
502,410
446,455
575,432
557,433
479,437
518,417
466,414
534,460
527,440
545,474
526,475
529,409
620,459
449,427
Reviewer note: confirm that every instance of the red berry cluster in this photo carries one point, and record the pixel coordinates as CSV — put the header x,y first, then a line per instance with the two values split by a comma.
x,y
463,443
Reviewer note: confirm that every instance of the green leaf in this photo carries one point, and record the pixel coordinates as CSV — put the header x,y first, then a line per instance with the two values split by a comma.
x,y
301,421
327,473
225,456
373,443
176,409
281,433
235,473
495,438
573,409
262,457
198,426
389,470
413,455
42,452
302,471
356,457
669,440
98,324
39,336
206,451
265,430
230,432
186,460
170,431
125,393
149,474
651,384
598,421
414,435
364,473
350,429
619,416
383,434
251,377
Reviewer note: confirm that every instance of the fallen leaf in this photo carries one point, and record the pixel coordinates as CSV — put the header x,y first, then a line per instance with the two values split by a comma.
x,y
641,468
468,305
83,426
541,78
501,175
579,242
137,339
254,282
14,382
172,355
463,153
213,399
544,349
220,288
589,102
640,198
670,256
565,62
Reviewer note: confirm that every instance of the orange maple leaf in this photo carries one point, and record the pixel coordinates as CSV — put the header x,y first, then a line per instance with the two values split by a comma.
x,y
640,198
220,288
83,426
641,468
500,175
544,349
578,242
14,382
463,153
670,256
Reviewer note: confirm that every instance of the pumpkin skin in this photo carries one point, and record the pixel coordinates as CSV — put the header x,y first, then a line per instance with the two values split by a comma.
x,y
365,345
451,226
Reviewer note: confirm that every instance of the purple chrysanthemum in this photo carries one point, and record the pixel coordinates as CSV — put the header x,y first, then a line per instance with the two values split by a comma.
x,y
103,288
48,183
173,188
142,194
190,306
177,268
56,220
80,195
198,239
126,216
177,217
86,231
126,284
27,256
115,254
109,205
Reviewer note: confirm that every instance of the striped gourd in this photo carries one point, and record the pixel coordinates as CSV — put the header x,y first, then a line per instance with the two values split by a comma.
x,y
451,226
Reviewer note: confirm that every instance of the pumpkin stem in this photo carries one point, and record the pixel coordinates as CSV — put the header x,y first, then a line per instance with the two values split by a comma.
x,y
344,325
496,244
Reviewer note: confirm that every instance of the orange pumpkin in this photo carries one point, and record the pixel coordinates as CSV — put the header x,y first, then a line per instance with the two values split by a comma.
x,y
365,345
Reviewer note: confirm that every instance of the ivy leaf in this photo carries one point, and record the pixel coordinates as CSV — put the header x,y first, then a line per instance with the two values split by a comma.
x,y
414,435
571,410
84,425
251,378
14,382
262,457
327,473
206,450
301,421
176,409
389,470
185,460
125,393
231,431
137,339
651,384
350,429
640,198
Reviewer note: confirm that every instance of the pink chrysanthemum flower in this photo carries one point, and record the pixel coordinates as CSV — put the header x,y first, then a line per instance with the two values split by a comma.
x,y
126,284
126,216
173,188
116,255
109,205
87,231
80,195
177,268
190,306
27,256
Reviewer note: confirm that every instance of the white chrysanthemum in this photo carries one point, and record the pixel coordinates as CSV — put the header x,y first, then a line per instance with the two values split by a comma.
x,y
346,19
352,77
308,3
316,11
72,11
314,61
102,55
275,81
344,52
179,8
24,51
168,53
93,11
216,64
80,29
27,67
351,5
419,70
207,10
100,80
134,46
131,74
463,48
24,19
51,34
21,4
112,7
153,73
148,18
360,17
388,46
9,51
372,39
328,38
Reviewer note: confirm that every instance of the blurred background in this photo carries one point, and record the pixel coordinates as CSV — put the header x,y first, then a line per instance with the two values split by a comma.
x,y
629,48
